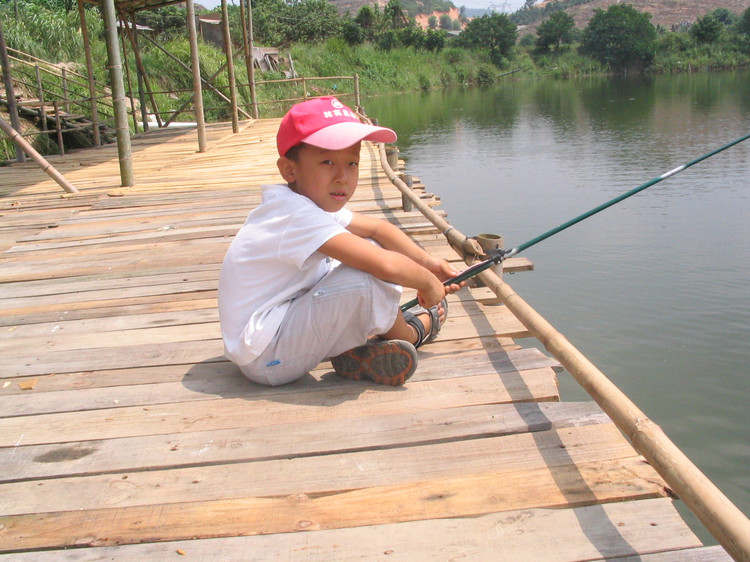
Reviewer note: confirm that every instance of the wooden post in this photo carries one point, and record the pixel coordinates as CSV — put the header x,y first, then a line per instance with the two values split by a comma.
x,y
129,83
118,93
133,36
230,65
58,127
38,158
66,103
197,90
247,36
40,94
90,72
10,94
357,98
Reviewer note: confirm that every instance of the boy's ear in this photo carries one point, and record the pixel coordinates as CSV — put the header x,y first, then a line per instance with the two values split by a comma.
x,y
287,169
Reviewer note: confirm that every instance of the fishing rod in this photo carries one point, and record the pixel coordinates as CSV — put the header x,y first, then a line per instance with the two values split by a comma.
x,y
499,256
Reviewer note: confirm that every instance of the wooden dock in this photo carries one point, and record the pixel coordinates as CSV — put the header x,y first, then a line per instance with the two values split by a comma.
x,y
124,434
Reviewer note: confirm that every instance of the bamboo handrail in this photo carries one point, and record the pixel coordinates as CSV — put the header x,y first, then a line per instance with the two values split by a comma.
x,y
719,515
52,65
105,93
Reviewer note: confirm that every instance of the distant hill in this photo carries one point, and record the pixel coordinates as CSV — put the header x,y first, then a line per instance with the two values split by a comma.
x,y
663,12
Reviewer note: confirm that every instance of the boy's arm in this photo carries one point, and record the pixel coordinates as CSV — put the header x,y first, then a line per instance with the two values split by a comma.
x,y
393,238
399,261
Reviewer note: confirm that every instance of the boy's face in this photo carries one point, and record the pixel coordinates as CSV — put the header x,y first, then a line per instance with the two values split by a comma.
x,y
327,177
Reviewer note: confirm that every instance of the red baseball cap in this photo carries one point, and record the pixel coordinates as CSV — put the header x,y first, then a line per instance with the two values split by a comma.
x,y
326,123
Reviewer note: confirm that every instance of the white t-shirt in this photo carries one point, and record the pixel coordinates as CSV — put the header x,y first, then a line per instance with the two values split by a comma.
x,y
272,260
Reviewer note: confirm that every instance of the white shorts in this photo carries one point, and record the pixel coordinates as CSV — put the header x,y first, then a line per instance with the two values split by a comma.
x,y
344,310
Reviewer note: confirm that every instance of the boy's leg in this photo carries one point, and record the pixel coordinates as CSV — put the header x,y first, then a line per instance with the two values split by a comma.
x,y
341,312
401,330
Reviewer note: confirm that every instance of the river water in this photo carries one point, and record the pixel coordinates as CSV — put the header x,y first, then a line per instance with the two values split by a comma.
x,y
654,290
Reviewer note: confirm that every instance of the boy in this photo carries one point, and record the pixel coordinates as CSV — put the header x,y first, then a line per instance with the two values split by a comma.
x,y
306,279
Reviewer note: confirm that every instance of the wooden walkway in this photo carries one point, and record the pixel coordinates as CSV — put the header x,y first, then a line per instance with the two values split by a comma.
x,y
124,434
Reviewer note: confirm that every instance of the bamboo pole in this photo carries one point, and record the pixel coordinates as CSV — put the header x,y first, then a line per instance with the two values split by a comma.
x,y
10,93
90,73
195,63
124,149
58,128
66,102
129,83
40,93
230,65
38,158
247,35
140,67
717,513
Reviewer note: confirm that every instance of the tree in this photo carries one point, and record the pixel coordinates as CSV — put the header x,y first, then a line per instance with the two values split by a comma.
x,y
432,21
620,37
706,29
558,29
725,16
743,26
446,22
743,29
367,18
494,31
394,14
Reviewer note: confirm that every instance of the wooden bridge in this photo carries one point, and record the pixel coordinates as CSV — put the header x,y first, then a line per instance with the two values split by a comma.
x,y
124,434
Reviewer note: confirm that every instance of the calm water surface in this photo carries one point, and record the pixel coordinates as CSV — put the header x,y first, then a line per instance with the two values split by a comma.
x,y
655,290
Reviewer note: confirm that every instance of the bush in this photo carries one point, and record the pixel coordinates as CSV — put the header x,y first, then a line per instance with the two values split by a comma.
x,y
674,41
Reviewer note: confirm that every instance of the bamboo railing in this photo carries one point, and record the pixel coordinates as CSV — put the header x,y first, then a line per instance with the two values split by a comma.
x,y
719,515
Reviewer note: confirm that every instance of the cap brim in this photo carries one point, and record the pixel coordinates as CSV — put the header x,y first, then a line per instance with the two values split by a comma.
x,y
343,135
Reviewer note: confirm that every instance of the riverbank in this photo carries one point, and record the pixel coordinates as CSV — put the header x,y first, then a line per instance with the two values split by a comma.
x,y
406,69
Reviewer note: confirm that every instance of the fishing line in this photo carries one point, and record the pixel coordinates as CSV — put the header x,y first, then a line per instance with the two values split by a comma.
x,y
495,259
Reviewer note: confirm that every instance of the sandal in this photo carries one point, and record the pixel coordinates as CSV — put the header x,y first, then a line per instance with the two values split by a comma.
x,y
411,317
389,362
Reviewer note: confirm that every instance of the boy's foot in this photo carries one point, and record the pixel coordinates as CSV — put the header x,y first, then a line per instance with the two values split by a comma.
x,y
389,362
412,317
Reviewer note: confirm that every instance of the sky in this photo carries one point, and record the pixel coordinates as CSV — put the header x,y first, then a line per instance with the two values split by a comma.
x,y
500,5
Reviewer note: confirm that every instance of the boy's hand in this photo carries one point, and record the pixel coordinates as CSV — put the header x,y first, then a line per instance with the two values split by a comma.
x,y
444,271
435,292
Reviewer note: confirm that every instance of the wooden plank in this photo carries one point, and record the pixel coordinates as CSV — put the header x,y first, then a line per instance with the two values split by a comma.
x,y
705,554
17,400
192,343
322,474
192,325
58,391
200,448
554,535
459,496
107,308
215,372
334,400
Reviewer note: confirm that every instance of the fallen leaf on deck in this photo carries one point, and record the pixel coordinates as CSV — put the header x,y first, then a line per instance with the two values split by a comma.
x,y
28,385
